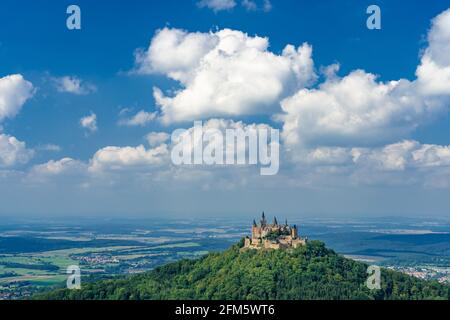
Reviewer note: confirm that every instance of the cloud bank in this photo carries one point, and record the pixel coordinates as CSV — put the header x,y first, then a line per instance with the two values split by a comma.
x,y
348,130
359,110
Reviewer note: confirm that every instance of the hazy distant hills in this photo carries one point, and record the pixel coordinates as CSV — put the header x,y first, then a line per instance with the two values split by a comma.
x,y
310,272
21,244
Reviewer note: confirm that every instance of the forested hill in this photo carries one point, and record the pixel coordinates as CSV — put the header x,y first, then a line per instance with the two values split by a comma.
x,y
310,272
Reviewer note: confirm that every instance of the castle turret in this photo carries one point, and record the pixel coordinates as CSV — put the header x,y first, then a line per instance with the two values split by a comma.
x,y
294,232
275,222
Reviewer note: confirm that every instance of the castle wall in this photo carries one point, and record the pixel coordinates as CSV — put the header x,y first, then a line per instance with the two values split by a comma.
x,y
298,243
271,245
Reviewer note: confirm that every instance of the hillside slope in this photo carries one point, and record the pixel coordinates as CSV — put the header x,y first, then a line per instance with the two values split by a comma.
x,y
311,272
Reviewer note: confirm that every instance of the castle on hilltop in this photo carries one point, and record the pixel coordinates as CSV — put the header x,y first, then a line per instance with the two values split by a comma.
x,y
273,236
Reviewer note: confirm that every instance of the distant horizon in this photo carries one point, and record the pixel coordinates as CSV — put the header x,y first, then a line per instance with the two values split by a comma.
x,y
203,218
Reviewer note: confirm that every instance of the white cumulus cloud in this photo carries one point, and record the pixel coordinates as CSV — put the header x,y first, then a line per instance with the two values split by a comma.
x,y
157,138
141,118
354,110
59,167
217,5
400,156
89,122
118,158
13,152
407,162
434,71
223,73
74,85
14,92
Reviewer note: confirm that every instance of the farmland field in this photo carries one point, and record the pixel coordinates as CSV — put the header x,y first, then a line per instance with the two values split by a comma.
x,y
36,258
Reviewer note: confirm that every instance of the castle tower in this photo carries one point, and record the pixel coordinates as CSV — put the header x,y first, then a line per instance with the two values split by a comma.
x,y
294,232
275,222
256,231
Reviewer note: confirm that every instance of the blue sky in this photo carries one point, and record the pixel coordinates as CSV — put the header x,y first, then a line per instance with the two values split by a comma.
x,y
35,43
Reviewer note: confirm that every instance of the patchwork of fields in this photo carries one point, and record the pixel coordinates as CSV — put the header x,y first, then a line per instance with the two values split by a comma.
x,y
35,257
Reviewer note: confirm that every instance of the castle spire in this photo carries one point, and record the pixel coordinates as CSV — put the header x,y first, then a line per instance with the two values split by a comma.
x,y
254,223
286,223
275,222
263,220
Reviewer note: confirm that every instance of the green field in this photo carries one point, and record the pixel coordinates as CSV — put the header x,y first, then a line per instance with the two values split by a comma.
x,y
30,268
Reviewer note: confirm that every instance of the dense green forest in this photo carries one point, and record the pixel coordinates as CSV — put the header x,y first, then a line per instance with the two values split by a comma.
x,y
309,272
